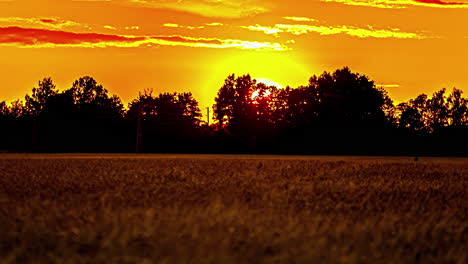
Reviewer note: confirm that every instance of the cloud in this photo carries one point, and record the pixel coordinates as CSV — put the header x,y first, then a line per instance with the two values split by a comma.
x,y
388,85
267,30
214,24
109,27
401,3
50,22
333,30
181,26
208,8
41,38
171,25
300,19
54,23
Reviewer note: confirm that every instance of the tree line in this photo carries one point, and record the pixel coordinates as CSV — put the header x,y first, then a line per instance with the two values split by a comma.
x,y
338,112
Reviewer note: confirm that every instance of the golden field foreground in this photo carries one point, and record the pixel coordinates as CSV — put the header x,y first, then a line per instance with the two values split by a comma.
x,y
232,209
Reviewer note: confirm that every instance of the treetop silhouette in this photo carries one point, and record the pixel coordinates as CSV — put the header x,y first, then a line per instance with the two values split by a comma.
x,y
336,112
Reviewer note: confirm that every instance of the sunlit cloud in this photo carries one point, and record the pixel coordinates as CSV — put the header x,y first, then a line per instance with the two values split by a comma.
x,y
54,23
300,19
110,27
182,26
214,24
267,30
388,85
333,30
171,25
401,3
48,22
209,8
41,38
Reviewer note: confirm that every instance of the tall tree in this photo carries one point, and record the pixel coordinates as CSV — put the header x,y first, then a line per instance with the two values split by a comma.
x,y
347,99
40,96
92,99
4,110
226,100
458,108
177,106
169,121
411,118
438,112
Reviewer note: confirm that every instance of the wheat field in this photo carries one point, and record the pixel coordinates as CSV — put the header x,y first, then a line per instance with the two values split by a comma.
x,y
232,209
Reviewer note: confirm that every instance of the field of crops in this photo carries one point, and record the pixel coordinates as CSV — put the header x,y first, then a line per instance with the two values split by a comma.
x,y
232,209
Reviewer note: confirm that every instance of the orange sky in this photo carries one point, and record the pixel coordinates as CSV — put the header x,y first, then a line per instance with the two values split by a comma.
x,y
193,45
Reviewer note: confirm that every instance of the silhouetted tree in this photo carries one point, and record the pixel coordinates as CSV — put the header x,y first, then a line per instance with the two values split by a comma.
x,y
347,99
434,114
166,105
233,103
169,119
18,109
4,110
458,109
437,111
336,113
302,108
388,108
40,96
226,100
248,112
410,118
93,100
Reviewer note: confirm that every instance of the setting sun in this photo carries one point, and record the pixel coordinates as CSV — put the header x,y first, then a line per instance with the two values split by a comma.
x,y
268,82
233,131
129,46
258,94
192,46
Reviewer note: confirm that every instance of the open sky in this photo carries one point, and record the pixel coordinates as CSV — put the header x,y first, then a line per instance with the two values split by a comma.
x,y
408,46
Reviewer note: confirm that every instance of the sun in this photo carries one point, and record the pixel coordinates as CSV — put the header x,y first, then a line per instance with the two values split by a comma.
x,y
259,94
268,82
280,69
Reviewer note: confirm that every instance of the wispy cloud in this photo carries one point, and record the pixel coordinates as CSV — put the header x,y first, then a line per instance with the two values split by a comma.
x,y
300,19
214,24
41,38
49,22
267,30
388,85
54,23
175,25
110,27
333,30
401,3
182,26
209,8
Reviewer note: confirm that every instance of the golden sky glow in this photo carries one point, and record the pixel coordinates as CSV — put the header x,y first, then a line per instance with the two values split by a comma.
x,y
407,46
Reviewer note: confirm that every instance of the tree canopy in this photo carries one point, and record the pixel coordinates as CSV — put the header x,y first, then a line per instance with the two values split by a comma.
x,y
335,113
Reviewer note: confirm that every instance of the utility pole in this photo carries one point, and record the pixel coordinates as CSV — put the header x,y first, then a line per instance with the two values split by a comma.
x,y
208,116
138,147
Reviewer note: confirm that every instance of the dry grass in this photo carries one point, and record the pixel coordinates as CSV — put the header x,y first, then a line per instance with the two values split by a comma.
x,y
125,209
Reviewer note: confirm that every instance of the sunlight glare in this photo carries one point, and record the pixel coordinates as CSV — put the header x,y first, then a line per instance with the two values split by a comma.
x,y
258,95
268,82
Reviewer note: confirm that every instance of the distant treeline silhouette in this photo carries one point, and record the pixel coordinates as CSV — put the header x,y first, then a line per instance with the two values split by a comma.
x,y
336,113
